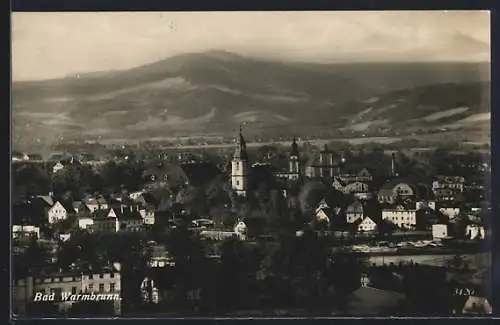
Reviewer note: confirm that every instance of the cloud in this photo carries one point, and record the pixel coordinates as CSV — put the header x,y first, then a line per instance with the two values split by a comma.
x,y
48,45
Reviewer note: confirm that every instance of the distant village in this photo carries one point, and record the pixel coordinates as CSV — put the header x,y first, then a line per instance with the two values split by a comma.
x,y
389,233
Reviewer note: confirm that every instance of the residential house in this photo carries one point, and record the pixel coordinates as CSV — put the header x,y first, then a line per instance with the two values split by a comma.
x,y
105,280
474,231
453,183
366,224
241,230
363,176
25,231
97,203
450,211
65,284
338,184
130,221
53,210
323,211
105,221
477,305
401,216
85,223
440,231
148,215
81,209
392,191
359,189
354,212
57,167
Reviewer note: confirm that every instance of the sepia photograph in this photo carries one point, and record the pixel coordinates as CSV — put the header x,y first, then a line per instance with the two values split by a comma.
x,y
250,164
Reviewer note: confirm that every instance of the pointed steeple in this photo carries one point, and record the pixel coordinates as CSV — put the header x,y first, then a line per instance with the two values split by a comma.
x,y
295,148
240,151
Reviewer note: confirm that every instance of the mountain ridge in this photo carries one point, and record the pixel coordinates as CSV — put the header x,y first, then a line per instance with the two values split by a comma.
x,y
211,92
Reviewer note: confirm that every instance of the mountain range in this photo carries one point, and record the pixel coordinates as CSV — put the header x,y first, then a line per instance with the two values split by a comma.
x,y
211,93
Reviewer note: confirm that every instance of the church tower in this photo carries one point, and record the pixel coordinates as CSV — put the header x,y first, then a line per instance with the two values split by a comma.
x,y
294,165
239,167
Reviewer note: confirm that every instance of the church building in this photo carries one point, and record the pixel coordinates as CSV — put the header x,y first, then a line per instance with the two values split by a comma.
x,y
239,167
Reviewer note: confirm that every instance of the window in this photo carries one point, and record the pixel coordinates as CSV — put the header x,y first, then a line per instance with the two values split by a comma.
x,y
91,287
101,276
91,276
73,290
112,287
112,275
101,287
43,291
237,183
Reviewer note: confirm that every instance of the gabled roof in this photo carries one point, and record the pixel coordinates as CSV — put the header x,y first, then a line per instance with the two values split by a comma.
x,y
355,207
48,200
477,305
130,215
101,214
339,180
68,206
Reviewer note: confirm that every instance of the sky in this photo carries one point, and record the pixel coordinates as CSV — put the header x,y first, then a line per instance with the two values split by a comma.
x,y
54,45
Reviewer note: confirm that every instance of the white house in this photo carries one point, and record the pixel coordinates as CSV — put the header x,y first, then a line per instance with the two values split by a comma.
x,y
241,230
403,218
135,195
72,283
57,167
85,223
474,231
477,305
56,213
19,231
367,225
322,211
94,204
148,216
450,212
439,231
65,237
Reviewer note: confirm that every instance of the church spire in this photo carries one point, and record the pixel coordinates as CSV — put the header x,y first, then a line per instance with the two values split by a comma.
x,y
240,151
295,148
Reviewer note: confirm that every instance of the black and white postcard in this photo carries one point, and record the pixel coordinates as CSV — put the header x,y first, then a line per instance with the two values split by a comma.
x,y
251,164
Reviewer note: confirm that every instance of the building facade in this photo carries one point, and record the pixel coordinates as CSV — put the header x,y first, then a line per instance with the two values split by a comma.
x,y
400,216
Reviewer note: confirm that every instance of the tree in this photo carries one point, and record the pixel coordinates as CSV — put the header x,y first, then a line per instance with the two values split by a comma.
x,y
386,228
